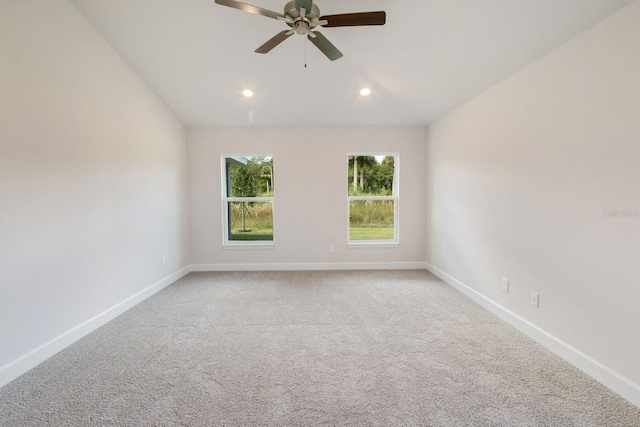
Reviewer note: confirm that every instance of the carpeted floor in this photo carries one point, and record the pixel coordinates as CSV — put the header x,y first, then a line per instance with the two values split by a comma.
x,y
309,348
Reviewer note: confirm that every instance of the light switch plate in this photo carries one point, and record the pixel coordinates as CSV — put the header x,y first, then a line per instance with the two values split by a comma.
x,y
505,285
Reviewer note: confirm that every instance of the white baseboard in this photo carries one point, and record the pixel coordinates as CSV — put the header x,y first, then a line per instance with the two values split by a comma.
x,y
605,375
33,358
311,266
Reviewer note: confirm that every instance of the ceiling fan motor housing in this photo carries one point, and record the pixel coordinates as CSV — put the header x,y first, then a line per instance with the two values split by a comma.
x,y
291,11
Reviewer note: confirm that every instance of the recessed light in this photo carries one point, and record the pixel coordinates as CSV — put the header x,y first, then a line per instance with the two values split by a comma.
x,y
247,93
365,91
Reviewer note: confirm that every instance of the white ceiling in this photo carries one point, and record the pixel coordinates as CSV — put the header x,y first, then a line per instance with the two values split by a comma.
x,y
431,57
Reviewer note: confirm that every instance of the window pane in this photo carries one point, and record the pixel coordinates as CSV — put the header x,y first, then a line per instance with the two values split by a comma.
x,y
249,176
250,221
371,220
373,175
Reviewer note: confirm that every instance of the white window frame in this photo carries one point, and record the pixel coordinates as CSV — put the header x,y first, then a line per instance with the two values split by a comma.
x,y
395,197
243,244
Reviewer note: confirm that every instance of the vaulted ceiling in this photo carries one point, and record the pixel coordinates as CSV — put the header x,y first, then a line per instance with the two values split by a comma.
x,y
431,56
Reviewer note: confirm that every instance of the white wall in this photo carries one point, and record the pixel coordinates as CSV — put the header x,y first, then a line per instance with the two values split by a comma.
x,y
92,179
518,181
310,169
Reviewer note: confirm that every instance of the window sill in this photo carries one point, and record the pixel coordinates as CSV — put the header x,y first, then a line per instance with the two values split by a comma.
x,y
253,246
373,244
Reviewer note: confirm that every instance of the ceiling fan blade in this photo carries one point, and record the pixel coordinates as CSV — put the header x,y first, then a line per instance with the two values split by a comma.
x,y
355,19
325,46
274,41
306,4
250,8
285,19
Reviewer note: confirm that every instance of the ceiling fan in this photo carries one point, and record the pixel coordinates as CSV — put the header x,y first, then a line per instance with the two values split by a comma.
x,y
303,17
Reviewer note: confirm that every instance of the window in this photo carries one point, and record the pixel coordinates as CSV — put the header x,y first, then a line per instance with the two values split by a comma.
x,y
373,199
247,200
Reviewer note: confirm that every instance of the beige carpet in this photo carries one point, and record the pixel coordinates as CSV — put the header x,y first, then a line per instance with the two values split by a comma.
x,y
309,348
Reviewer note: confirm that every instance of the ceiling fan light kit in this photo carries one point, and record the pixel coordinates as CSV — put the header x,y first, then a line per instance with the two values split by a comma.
x,y
303,18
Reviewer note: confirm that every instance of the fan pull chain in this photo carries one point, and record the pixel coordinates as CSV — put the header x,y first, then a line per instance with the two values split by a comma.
x,y
305,51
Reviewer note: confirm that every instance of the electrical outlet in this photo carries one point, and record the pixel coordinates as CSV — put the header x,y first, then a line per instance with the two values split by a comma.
x,y
164,261
535,299
332,249
505,285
